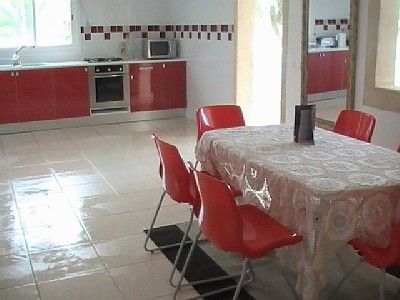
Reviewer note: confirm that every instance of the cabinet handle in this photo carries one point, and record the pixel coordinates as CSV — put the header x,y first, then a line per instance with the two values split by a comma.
x,y
131,77
17,74
145,68
12,74
345,61
85,69
323,54
163,65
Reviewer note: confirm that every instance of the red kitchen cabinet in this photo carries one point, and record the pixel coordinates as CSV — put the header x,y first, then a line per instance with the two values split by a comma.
x,y
175,84
158,86
35,95
147,86
71,92
8,98
327,71
314,73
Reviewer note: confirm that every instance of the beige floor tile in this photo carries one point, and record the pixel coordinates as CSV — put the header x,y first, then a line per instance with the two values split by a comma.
x,y
50,237
78,177
65,262
9,219
168,215
71,166
15,271
53,214
147,199
88,190
102,206
103,228
126,250
40,199
26,292
33,185
29,171
12,243
94,286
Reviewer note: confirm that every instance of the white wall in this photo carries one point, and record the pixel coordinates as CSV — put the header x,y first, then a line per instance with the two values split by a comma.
x,y
293,60
98,12
328,9
387,131
211,64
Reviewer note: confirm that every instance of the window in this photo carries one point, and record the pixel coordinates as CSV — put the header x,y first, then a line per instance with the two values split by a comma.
x,y
35,23
387,73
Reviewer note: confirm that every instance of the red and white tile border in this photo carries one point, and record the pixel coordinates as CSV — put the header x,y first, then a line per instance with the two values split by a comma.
x,y
201,32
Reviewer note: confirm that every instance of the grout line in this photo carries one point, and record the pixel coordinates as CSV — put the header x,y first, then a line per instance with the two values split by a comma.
x,y
26,245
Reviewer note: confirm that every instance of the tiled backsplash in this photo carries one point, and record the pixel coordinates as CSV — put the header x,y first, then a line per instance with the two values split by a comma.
x,y
205,32
328,27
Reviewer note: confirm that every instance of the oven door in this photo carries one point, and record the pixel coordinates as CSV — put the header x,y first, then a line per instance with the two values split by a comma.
x,y
109,91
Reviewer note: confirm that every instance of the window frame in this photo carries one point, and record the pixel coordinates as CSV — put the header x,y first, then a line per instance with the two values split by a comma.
x,y
74,34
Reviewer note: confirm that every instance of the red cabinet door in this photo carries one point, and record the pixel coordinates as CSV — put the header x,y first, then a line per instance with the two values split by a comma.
x,y
314,72
71,92
175,85
340,69
8,98
35,95
147,86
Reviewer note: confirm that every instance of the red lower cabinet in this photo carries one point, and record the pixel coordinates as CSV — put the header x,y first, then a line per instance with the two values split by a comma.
x,y
35,95
158,86
8,98
327,71
71,92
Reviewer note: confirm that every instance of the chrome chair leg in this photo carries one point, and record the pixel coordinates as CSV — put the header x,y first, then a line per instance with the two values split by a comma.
x,y
151,250
382,284
247,270
178,287
178,255
242,277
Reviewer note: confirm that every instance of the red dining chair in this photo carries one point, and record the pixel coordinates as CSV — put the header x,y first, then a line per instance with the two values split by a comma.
x,y
217,117
355,124
378,257
179,184
176,180
242,229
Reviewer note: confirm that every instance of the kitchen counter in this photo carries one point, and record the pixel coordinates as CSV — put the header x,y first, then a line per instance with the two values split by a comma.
x,y
66,64
322,49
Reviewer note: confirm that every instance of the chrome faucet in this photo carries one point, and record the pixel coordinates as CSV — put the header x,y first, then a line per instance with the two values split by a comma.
x,y
15,58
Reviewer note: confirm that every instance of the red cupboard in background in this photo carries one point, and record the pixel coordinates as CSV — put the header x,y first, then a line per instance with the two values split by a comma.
x,y
327,71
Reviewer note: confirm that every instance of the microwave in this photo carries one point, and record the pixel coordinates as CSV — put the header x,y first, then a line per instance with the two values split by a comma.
x,y
161,48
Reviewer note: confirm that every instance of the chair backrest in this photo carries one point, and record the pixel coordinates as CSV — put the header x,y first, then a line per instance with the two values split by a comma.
x,y
174,174
219,218
398,149
217,117
355,124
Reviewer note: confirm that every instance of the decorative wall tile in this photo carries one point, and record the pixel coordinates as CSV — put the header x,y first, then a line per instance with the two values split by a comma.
x,y
185,31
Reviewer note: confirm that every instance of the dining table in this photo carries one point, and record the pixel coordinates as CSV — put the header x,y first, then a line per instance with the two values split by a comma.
x,y
330,190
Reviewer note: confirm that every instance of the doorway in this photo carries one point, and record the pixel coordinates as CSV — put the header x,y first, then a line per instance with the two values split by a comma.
x,y
259,60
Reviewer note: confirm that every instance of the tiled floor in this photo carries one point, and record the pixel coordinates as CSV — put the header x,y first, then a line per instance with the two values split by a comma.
x,y
73,203
329,109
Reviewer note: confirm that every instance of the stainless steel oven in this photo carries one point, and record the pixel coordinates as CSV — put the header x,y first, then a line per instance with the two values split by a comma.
x,y
109,87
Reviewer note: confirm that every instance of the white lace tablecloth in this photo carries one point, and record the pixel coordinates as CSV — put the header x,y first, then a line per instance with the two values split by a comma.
x,y
332,191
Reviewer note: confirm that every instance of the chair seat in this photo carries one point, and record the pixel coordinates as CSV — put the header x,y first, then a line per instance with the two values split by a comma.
x,y
378,257
262,234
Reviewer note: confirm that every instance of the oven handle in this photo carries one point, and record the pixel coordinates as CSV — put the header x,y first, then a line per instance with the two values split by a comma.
x,y
109,76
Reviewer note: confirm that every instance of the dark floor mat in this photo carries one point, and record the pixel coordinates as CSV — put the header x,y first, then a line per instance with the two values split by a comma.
x,y
201,266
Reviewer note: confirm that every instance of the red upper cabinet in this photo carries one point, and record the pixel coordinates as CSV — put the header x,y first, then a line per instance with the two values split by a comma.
x,y
71,92
8,98
35,94
158,86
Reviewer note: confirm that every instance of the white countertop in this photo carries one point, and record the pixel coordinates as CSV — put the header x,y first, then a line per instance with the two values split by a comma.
x,y
323,49
67,64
